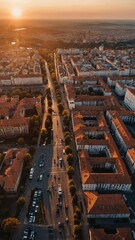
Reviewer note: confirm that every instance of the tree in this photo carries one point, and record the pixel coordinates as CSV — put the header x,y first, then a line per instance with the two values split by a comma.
x,y
59,100
68,150
49,110
60,107
32,150
71,182
10,224
65,112
66,119
67,140
20,141
66,128
20,202
75,200
27,158
70,171
70,159
78,232
44,133
72,190
50,103
78,213
48,124
67,133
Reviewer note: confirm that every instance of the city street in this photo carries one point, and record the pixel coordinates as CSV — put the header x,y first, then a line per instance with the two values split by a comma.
x,y
58,209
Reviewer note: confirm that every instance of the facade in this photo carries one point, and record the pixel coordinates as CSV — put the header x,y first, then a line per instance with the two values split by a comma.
x,y
130,159
129,99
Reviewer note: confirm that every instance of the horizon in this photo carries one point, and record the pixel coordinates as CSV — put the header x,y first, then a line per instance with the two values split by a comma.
x,y
73,9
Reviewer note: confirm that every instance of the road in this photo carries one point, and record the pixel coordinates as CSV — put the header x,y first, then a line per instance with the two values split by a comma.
x,y
54,175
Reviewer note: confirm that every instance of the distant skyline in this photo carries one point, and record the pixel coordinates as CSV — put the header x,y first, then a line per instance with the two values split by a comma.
x,y
71,9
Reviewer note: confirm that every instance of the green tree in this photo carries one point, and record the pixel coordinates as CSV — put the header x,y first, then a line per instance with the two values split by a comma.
x,y
67,140
70,171
70,159
20,141
78,213
68,150
50,110
10,224
59,100
78,232
48,124
60,107
67,133
20,202
65,112
44,133
27,158
72,190
75,200
71,182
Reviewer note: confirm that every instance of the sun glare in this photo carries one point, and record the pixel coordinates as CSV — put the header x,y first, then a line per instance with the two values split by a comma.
x,y
16,12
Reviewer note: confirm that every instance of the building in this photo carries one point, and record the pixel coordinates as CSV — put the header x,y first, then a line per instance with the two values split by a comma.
x,y
108,234
13,162
129,99
130,159
106,206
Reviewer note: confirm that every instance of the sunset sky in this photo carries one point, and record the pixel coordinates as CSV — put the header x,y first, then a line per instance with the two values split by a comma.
x,y
70,9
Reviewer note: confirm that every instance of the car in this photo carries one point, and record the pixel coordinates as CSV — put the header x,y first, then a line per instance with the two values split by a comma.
x,y
32,235
30,219
34,218
59,191
35,194
60,204
36,209
32,170
24,237
40,177
26,231
30,176
33,203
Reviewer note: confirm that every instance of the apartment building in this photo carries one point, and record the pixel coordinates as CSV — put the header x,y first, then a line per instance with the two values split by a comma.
x,y
10,179
129,99
14,127
114,234
106,206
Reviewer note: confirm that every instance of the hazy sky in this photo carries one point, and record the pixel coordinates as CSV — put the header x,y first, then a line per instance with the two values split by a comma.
x,y
73,9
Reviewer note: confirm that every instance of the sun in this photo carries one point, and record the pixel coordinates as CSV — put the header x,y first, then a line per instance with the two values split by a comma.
x,y
16,12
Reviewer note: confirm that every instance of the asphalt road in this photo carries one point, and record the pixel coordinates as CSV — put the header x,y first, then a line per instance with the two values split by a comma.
x,y
57,177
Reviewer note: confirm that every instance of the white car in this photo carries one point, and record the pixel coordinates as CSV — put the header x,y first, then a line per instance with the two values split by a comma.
x,y
40,177
60,191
